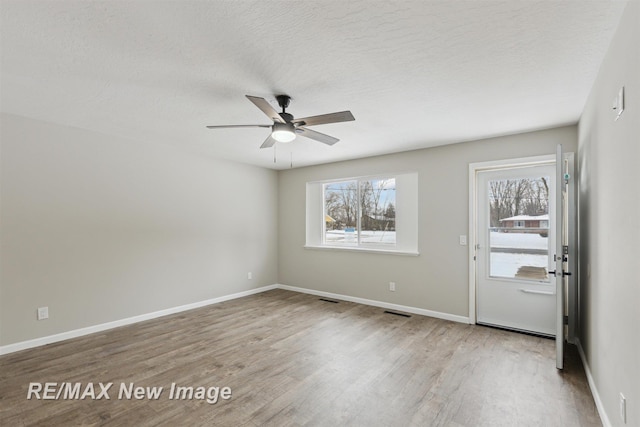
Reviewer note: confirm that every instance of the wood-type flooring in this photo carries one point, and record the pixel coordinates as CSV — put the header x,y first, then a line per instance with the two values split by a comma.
x,y
293,359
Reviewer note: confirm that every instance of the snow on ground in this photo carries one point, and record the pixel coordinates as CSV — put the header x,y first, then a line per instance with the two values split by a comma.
x,y
507,264
498,240
342,237
502,264
518,240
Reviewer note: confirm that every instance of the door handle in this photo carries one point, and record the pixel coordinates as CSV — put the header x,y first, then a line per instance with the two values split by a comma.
x,y
533,291
555,273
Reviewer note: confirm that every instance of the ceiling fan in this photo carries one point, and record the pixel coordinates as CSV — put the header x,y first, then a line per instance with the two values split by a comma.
x,y
285,127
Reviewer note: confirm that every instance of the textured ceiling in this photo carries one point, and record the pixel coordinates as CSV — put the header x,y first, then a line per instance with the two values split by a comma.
x,y
414,73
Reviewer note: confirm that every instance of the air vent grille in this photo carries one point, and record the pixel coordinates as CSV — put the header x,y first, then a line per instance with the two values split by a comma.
x,y
397,314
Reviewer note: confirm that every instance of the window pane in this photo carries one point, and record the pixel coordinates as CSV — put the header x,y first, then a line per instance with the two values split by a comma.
x,y
378,212
519,228
341,213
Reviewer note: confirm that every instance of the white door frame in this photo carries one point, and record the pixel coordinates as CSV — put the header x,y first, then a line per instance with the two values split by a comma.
x,y
474,168
572,288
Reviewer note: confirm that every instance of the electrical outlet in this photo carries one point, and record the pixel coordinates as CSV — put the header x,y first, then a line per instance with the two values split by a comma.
x,y
392,286
249,275
623,408
43,313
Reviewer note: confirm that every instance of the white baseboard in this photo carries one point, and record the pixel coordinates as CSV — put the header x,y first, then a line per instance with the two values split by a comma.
x,y
405,308
592,385
23,345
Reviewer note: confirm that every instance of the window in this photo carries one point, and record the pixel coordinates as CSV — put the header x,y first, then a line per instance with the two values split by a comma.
x,y
360,212
375,214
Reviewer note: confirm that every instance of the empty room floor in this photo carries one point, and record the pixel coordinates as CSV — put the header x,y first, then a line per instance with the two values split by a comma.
x,y
294,359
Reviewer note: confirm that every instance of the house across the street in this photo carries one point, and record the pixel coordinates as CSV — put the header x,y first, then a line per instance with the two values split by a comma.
x,y
526,224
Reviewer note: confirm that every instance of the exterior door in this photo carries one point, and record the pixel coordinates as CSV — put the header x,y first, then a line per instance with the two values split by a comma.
x,y
516,243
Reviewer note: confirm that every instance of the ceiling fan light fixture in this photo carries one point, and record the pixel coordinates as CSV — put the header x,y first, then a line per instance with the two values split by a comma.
x,y
283,132
285,126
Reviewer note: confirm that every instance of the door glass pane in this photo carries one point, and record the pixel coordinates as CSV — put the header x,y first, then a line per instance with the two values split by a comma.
x,y
519,228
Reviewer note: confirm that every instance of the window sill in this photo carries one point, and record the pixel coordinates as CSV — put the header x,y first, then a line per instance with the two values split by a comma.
x,y
366,250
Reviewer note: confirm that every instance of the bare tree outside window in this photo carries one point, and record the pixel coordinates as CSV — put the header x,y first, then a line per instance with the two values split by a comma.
x,y
509,198
519,228
360,212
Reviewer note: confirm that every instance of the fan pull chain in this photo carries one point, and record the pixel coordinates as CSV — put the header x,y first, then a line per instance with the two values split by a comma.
x,y
274,153
291,164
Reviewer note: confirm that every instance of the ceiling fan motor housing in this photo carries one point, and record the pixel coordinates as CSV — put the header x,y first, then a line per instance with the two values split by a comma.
x,y
287,117
283,101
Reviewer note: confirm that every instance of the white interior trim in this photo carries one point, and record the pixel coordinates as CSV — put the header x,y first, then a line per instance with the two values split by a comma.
x,y
361,249
592,386
513,163
572,291
382,304
37,342
472,242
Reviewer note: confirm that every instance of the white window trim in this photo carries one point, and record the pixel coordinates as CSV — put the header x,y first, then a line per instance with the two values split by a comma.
x,y
406,221
361,249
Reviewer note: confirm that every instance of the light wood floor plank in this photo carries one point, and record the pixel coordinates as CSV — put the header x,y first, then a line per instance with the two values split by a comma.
x,y
292,359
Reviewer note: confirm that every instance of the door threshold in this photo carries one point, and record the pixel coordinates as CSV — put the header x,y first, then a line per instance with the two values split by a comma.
x,y
520,331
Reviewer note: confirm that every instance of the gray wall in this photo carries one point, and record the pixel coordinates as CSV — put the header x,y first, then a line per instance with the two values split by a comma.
x,y
437,279
609,159
99,228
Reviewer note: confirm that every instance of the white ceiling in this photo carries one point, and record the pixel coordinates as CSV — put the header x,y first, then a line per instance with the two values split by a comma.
x,y
414,73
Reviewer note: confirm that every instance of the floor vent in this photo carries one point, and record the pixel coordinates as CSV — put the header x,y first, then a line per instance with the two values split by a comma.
x,y
397,314
329,300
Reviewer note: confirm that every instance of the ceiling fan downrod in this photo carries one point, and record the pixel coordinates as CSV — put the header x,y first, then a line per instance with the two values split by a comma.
x,y
283,101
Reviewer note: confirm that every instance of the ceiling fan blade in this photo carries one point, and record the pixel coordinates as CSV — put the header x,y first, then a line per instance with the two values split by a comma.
x,y
325,139
266,108
268,142
238,126
343,116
